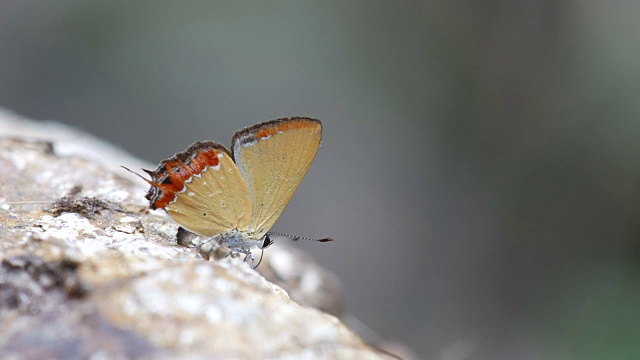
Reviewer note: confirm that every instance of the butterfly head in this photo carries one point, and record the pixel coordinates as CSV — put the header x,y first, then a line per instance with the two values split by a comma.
x,y
266,241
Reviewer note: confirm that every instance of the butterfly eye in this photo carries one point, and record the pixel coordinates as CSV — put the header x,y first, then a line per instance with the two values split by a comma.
x,y
267,242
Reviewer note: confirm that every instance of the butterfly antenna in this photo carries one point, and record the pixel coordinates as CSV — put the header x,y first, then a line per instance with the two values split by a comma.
x,y
296,238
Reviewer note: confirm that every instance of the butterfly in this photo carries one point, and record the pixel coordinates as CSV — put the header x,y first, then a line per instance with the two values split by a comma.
x,y
234,197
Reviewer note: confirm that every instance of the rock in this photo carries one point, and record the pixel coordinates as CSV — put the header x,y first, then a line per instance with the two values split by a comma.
x,y
87,271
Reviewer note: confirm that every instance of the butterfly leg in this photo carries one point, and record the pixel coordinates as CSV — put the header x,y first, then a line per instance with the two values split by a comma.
x,y
237,251
233,250
248,258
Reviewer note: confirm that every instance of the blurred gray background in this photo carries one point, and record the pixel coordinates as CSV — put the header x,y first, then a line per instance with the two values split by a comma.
x,y
480,167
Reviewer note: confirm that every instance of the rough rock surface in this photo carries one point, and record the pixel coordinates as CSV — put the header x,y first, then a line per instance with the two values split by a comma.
x,y
87,271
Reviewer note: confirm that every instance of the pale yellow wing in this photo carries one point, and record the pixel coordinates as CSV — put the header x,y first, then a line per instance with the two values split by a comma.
x,y
202,190
274,157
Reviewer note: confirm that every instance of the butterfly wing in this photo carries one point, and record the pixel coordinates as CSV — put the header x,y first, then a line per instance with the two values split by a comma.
x,y
202,189
273,158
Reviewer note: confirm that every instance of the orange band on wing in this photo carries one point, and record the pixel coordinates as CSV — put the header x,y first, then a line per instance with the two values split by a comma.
x,y
170,176
283,127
